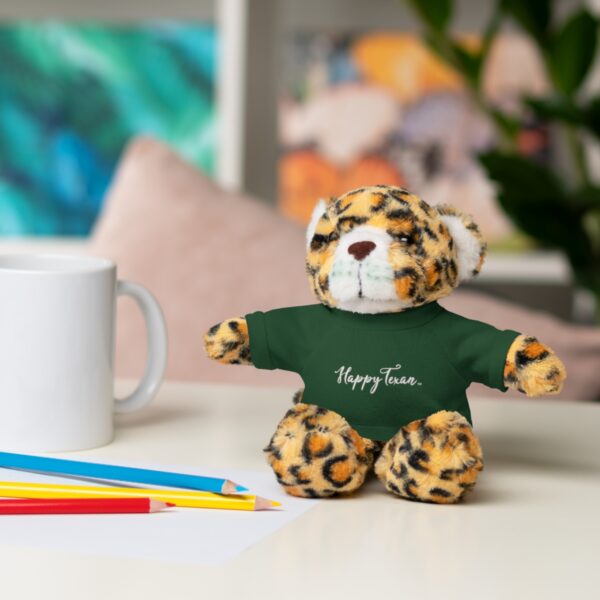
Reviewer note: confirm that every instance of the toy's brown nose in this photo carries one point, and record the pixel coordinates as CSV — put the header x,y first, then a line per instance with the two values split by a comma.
x,y
361,249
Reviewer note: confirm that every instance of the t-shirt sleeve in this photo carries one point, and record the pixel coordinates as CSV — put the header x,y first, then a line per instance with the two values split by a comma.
x,y
477,350
280,339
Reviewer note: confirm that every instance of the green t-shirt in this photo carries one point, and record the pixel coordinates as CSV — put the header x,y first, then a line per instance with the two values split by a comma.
x,y
381,371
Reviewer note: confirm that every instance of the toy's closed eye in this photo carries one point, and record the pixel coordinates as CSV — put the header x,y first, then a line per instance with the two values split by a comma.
x,y
319,240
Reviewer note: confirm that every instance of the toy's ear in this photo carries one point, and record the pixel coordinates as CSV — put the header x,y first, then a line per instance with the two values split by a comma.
x,y
469,243
317,213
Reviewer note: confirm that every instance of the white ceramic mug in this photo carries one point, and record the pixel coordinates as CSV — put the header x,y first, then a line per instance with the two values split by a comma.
x,y
57,323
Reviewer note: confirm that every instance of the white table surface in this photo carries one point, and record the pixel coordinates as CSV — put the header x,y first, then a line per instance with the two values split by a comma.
x,y
531,528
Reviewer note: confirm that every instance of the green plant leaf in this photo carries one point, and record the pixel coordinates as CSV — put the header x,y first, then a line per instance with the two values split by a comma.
x,y
591,118
469,63
591,223
533,15
435,13
587,198
571,51
522,177
509,124
538,203
556,109
565,110
436,44
491,30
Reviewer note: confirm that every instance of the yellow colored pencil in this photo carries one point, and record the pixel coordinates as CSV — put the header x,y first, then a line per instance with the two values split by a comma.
x,y
187,499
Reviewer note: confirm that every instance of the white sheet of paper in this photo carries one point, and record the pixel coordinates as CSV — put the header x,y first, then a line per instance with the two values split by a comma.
x,y
183,535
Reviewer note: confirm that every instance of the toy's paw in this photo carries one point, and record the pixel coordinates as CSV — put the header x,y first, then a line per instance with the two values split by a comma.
x,y
228,342
436,459
532,368
315,453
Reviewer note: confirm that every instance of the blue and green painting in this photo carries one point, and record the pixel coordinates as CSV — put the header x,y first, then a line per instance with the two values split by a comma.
x,y
73,94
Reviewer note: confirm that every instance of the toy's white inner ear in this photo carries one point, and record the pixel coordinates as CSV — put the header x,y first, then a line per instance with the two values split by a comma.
x,y
318,212
468,246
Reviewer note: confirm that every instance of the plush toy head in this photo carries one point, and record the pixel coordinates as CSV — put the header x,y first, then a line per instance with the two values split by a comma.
x,y
382,249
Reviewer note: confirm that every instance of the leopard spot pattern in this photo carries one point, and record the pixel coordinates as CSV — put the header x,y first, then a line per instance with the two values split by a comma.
x,y
228,342
532,367
436,459
314,453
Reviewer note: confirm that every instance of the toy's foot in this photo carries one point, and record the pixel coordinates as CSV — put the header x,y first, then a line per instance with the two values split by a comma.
x,y
436,459
315,453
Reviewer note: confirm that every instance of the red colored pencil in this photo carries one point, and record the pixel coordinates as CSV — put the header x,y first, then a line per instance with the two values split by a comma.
x,y
79,506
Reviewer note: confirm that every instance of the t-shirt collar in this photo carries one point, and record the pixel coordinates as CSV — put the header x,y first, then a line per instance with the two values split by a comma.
x,y
412,317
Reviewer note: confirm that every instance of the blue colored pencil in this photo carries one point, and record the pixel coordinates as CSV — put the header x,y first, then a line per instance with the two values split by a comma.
x,y
59,466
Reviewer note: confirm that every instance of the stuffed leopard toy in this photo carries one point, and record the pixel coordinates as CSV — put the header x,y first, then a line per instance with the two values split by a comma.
x,y
385,367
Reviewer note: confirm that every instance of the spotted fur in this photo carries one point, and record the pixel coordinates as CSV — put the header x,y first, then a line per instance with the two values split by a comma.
x,y
228,342
314,453
436,459
532,368
423,254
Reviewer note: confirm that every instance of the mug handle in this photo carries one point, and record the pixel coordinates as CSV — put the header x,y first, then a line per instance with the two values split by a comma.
x,y
156,362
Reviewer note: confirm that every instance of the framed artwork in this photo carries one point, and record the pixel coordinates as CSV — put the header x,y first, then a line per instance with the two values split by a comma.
x,y
380,107
73,94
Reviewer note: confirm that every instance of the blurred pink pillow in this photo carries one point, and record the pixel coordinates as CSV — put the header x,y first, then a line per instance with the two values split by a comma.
x,y
208,254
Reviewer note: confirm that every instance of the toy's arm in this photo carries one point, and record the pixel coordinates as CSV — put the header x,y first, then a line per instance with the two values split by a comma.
x,y
228,342
533,368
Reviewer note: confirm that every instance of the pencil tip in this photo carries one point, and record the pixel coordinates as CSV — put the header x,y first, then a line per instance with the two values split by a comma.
x,y
229,487
264,503
157,505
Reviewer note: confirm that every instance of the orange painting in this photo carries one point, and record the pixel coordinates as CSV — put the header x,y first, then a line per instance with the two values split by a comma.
x,y
306,176
372,108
